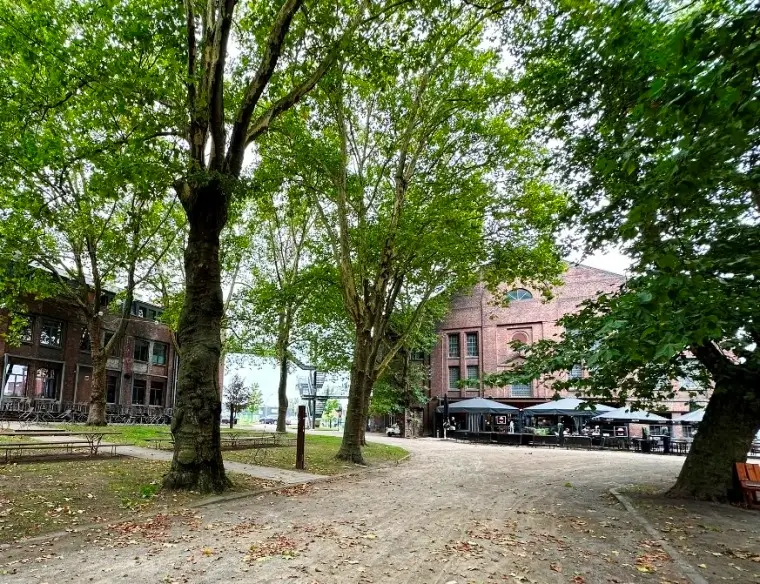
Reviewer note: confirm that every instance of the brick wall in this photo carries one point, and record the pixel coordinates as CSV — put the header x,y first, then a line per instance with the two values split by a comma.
x,y
75,364
497,326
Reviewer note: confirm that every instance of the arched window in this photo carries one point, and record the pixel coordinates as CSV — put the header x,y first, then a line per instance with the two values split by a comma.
x,y
519,294
520,337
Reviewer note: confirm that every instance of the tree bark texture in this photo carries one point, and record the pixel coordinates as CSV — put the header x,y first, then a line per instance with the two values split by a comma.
x,y
362,370
723,438
232,417
97,413
96,416
197,462
282,393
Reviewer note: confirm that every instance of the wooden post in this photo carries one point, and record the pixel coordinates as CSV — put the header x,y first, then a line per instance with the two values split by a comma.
x,y
301,437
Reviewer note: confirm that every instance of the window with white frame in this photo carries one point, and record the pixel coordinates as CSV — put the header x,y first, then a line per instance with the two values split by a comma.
x,y
519,294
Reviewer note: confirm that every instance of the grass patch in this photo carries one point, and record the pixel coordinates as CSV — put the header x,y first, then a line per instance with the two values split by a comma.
x,y
38,498
320,455
141,435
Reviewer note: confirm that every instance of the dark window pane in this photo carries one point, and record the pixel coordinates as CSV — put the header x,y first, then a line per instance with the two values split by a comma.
x,y
453,346
138,392
472,372
46,383
454,377
142,348
112,388
51,333
85,343
156,393
472,344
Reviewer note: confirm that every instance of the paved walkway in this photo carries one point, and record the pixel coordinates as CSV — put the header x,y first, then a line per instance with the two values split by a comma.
x,y
290,477
453,513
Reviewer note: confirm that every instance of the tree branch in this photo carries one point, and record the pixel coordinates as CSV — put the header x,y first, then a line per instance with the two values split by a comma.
x,y
239,139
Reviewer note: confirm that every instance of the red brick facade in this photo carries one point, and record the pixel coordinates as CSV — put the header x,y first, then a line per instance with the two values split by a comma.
x,y
57,367
489,327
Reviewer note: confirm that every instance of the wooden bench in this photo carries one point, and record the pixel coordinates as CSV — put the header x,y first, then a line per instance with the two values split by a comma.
x,y
20,448
157,442
749,481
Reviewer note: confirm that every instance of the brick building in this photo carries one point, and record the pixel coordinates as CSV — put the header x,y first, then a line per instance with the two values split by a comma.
x,y
476,337
52,365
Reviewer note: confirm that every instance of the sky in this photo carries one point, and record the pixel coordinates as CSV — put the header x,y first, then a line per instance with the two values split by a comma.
x,y
267,375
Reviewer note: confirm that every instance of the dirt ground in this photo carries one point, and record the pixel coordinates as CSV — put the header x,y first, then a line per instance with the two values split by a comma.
x,y
453,513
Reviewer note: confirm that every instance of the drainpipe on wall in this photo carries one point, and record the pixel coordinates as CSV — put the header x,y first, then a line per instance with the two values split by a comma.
x,y
5,370
76,385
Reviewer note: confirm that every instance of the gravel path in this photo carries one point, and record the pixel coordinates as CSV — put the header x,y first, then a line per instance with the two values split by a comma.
x,y
451,513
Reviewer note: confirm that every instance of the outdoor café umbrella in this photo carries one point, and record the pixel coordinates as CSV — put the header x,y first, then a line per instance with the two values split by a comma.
x,y
479,405
569,406
692,417
624,414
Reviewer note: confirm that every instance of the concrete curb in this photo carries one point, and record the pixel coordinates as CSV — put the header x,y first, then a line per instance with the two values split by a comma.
x,y
685,567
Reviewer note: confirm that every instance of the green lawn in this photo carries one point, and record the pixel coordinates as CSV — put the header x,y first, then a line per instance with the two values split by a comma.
x,y
320,455
140,435
40,497
320,449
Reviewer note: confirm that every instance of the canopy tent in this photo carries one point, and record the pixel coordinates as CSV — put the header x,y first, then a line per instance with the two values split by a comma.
x,y
625,415
692,417
569,406
479,405
474,410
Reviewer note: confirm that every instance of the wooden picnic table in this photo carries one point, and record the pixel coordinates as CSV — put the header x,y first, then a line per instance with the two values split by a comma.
x,y
93,436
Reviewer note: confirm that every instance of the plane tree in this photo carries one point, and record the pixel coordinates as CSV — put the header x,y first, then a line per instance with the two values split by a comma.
x,y
659,132
423,180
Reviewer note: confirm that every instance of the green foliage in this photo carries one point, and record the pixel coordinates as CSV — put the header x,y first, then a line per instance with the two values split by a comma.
x,y
255,399
659,132
238,396
421,175
80,199
331,408
401,387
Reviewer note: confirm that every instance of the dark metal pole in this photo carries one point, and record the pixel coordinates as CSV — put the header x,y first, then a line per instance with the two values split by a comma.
x,y
301,437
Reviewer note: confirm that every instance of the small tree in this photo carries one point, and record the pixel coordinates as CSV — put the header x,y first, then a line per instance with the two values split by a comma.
x,y
238,396
256,400
331,410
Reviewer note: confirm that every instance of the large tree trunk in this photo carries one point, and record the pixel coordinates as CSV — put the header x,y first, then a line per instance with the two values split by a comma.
x,y
232,417
356,412
282,393
97,414
724,437
197,463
